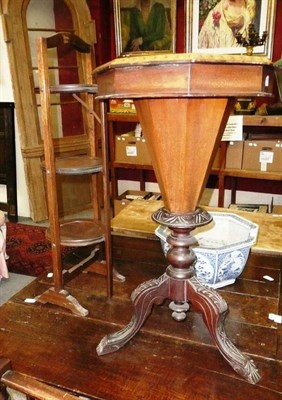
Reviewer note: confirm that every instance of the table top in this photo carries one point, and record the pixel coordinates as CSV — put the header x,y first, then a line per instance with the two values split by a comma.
x,y
135,220
181,58
147,76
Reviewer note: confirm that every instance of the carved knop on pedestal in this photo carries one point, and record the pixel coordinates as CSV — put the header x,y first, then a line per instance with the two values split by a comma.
x,y
187,220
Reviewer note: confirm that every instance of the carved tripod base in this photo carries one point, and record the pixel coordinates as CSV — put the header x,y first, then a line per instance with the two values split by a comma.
x,y
181,286
204,300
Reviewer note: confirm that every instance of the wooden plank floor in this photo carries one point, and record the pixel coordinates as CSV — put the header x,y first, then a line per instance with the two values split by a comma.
x,y
166,359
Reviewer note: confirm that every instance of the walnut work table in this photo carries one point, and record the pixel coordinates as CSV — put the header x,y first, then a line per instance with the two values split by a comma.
x,y
183,102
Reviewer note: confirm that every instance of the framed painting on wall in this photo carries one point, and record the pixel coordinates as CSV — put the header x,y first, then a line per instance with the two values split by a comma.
x,y
144,26
212,25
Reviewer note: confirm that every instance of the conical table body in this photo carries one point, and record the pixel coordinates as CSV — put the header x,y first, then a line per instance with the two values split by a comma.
x,y
183,102
182,146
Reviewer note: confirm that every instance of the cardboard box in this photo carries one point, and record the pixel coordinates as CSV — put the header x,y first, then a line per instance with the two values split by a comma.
x,y
131,150
262,155
216,161
277,210
125,198
234,155
122,106
140,195
120,205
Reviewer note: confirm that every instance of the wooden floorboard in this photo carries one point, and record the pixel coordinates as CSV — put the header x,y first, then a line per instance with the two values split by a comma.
x,y
166,359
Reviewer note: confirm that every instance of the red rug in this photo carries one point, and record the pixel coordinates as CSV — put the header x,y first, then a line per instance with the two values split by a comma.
x,y
28,249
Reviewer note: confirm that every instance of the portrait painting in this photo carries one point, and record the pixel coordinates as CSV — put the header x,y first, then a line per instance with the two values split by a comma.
x,y
212,25
144,26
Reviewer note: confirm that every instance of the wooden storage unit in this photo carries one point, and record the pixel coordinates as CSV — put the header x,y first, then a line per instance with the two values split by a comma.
x,y
8,160
21,30
256,124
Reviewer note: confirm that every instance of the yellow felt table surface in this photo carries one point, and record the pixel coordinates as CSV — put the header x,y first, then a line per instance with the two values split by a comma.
x,y
135,220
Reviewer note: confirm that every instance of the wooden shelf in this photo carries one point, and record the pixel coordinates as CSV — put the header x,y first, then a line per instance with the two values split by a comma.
x,y
265,120
132,166
248,120
239,173
115,117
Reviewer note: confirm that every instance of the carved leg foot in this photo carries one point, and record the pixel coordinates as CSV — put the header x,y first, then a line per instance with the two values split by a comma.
x,y
143,297
214,309
62,299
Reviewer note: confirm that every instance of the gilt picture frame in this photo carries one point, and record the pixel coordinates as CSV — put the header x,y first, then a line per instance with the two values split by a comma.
x,y
137,32
208,26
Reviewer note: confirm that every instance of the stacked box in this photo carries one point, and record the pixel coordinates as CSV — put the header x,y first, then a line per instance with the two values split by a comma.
x,y
123,106
131,150
262,155
234,155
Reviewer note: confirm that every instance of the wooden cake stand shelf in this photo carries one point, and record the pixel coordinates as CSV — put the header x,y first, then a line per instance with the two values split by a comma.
x,y
78,232
183,102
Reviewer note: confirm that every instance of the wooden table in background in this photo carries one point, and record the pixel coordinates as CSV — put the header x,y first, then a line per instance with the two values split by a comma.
x,y
135,221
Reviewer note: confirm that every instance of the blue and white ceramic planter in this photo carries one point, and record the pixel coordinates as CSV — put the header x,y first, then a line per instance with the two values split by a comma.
x,y
223,247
